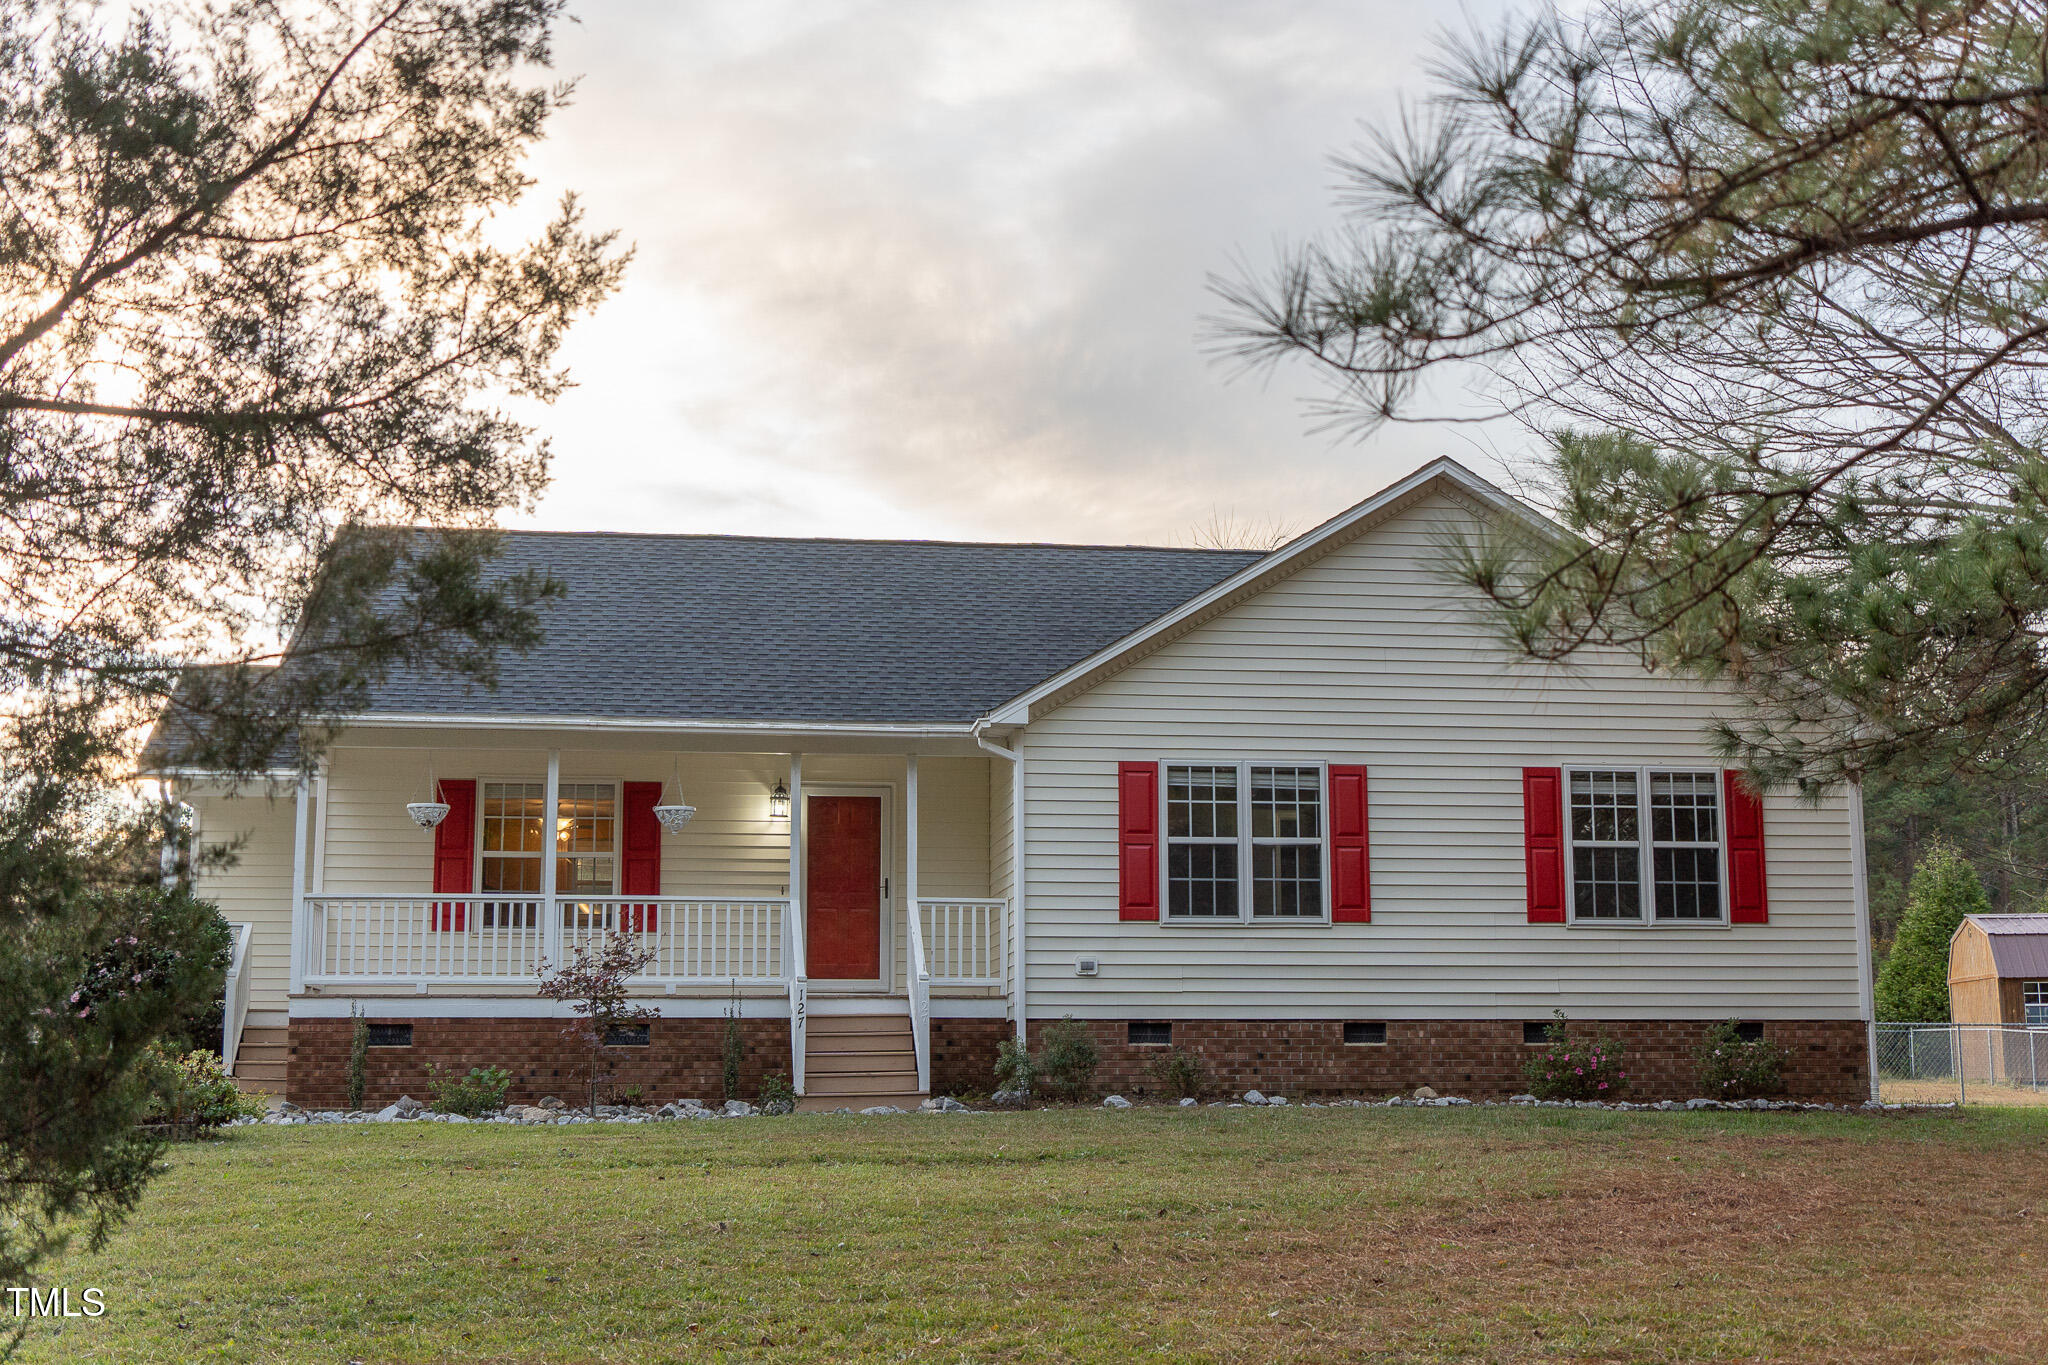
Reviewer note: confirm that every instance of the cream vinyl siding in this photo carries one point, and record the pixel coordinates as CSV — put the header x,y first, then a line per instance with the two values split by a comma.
x,y
731,847
257,889
1368,656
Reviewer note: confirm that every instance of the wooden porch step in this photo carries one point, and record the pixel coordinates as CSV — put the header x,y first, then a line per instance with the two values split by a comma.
x,y
261,1060
857,1061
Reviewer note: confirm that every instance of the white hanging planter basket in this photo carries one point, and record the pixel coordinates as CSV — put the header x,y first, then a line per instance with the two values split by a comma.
x,y
673,818
427,814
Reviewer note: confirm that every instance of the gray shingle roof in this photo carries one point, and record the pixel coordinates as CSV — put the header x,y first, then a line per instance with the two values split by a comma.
x,y
741,628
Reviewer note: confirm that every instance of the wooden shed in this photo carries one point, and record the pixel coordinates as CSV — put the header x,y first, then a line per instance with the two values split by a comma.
x,y
1998,970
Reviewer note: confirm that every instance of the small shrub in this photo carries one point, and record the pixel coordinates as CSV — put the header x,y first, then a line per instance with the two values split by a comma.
x,y
193,1088
1180,1074
1570,1068
1068,1059
1015,1068
732,1050
358,1056
776,1091
1734,1068
628,1095
479,1092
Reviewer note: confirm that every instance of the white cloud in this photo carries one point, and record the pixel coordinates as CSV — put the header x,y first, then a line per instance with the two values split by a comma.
x,y
924,268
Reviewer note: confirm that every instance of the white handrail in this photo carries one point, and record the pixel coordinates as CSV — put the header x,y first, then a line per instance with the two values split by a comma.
x,y
920,1001
235,999
799,992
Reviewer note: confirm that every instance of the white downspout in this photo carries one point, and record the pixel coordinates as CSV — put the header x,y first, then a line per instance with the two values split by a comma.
x,y
1016,758
1866,989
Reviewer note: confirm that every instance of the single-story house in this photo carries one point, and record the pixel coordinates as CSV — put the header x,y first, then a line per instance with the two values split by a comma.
x,y
1998,970
1298,812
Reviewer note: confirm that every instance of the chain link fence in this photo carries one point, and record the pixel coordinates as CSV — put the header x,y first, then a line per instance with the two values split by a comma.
x,y
1962,1064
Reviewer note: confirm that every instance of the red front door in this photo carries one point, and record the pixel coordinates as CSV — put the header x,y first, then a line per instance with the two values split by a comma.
x,y
843,887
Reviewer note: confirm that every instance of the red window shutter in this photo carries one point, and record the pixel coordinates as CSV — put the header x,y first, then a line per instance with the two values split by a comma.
x,y
1350,846
1748,901
455,855
1543,842
640,863
1137,820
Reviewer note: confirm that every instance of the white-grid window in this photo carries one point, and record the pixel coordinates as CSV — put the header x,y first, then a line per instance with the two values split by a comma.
x,y
586,829
510,832
2035,997
1632,828
1244,842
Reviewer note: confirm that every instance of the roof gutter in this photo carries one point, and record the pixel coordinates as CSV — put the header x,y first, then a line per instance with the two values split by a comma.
x,y
880,729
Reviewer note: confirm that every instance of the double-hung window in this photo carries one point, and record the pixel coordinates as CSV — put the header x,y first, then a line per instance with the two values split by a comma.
x,y
514,842
2036,1002
1244,843
586,848
1645,846
511,837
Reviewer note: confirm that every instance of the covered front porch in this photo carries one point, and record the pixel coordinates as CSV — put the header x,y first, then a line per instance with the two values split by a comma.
x,y
866,882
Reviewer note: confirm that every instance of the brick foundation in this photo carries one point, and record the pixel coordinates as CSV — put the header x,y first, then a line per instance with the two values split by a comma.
x,y
964,1054
1826,1060
681,1059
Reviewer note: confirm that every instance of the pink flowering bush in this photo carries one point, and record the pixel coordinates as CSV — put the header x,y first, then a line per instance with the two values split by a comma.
x,y
1572,1067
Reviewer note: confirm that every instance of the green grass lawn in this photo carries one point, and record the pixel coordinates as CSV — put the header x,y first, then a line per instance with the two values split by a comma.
x,y
1225,1234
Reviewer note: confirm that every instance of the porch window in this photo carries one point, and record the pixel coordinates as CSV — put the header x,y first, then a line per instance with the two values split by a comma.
x,y
586,849
2036,1001
511,835
1222,819
1636,827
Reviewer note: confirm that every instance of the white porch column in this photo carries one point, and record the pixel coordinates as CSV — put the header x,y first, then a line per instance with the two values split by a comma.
x,y
316,876
302,936
551,914
796,838
797,939
910,834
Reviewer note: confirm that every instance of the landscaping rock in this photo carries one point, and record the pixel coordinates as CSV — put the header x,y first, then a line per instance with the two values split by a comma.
x,y
1189,1102
943,1104
1521,1099
404,1107
1423,1092
1254,1097
881,1109
1276,1099
1116,1102
739,1109
777,1108
1703,1104
551,1102
1010,1099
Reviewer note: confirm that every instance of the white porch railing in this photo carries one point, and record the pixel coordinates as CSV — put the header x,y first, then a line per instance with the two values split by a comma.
x,y
235,999
964,941
692,940
402,940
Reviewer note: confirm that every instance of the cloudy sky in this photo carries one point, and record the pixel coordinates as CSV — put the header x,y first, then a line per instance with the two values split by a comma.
x,y
937,267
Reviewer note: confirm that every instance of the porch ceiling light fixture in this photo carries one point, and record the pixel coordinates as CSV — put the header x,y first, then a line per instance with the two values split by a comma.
x,y
778,801
427,814
673,815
